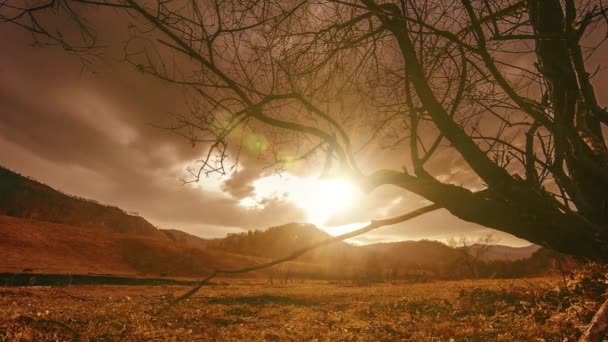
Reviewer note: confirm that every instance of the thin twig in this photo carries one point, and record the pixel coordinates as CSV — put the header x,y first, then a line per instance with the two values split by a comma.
x,y
30,320
73,296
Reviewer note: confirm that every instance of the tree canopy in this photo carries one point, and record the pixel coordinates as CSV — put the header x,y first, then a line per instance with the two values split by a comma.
x,y
504,87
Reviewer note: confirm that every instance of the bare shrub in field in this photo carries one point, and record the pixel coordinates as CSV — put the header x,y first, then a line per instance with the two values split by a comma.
x,y
472,251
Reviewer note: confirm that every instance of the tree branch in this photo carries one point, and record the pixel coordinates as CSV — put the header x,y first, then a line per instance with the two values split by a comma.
x,y
375,224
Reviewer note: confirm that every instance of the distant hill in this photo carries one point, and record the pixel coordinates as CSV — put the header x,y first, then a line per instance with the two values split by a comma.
x,y
36,246
92,237
50,231
186,239
508,253
276,242
415,258
27,198
422,253
279,241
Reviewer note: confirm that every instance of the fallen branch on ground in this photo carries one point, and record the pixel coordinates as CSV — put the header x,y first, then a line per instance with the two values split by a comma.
x,y
33,321
73,296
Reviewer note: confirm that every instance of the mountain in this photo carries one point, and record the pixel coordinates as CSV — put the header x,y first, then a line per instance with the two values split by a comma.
x,y
46,230
421,253
508,253
186,239
43,247
277,242
49,231
406,259
413,260
27,198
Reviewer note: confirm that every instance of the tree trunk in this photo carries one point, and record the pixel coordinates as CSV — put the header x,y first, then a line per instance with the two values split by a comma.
x,y
597,329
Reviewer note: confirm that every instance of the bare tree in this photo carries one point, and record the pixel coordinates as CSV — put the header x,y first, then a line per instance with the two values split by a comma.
x,y
472,251
502,87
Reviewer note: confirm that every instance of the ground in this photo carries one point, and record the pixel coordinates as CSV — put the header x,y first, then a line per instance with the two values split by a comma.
x,y
481,310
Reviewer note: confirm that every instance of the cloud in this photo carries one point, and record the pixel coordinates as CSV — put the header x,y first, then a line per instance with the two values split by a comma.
x,y
240,183
91,135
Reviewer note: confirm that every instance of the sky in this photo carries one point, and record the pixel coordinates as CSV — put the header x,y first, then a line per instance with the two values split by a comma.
x,y
93,133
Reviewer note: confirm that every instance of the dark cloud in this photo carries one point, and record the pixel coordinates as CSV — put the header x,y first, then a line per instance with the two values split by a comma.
x,y
91,135
240,183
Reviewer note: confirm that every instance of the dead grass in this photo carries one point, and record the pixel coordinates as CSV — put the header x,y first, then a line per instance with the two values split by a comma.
x,y
489,310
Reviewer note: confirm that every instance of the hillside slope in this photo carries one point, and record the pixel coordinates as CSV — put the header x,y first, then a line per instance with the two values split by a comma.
x,y
27,198
394,260
279,241
507,253
35,246
276,242
88,237
186,239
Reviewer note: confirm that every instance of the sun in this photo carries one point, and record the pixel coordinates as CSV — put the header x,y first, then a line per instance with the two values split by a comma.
x,y
320,199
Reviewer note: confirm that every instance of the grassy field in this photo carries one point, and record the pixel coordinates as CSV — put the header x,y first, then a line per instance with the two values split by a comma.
x,y
487,310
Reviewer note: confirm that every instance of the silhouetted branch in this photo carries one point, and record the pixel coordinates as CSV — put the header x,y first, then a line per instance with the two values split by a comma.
x,y
375,224
30,320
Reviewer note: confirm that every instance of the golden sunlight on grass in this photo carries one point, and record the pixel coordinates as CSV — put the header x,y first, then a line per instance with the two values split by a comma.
x,y
320,199
480,310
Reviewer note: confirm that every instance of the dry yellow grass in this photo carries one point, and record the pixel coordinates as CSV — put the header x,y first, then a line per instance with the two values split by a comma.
x,y
487,310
